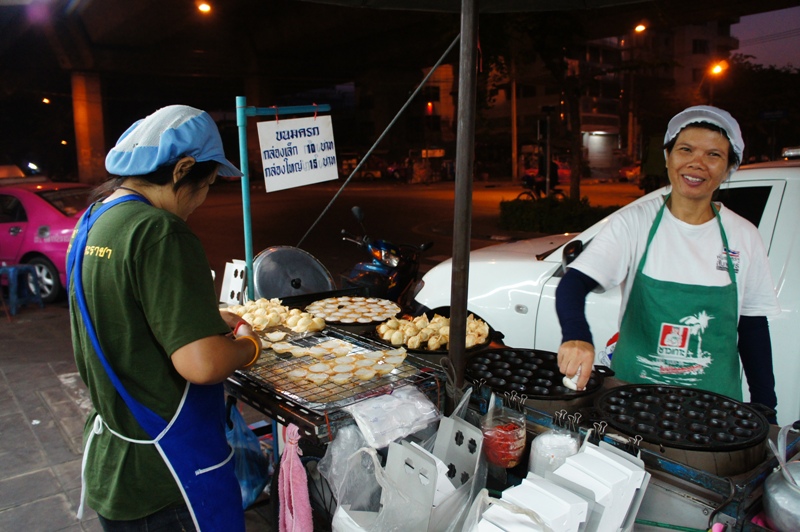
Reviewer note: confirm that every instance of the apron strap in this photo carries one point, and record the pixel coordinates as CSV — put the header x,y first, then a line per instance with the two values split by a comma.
x,y
151,422
731,269
97,428
657,221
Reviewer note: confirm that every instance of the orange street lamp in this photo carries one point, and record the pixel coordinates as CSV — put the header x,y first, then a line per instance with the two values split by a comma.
x,y
640,28
719,67
204,7
715,70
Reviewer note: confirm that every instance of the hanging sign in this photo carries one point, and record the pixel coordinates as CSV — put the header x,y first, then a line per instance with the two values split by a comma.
x,y
297,152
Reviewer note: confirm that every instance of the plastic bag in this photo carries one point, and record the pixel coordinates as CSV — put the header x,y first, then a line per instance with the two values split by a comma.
x,y
503,435
386,418
252,466
450,516
333,465
551,448
370,502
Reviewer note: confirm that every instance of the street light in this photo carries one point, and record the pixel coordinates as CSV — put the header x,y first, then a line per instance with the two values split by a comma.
x,y
715,70
638,29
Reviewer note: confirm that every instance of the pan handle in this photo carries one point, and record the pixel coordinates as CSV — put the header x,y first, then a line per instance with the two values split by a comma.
x,y
603,371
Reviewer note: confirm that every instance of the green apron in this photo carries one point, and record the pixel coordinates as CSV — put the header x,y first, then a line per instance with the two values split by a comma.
x,y
680,334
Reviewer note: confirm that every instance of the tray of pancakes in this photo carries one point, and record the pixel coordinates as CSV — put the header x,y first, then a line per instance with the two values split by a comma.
x,y
339,362
353,310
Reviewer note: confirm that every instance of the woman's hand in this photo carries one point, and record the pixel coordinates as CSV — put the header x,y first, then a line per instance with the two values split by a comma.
x,y
213,359
230,318
242,328
576,354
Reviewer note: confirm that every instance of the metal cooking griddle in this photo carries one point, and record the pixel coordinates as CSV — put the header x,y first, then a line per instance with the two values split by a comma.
x,y
683,418
285,271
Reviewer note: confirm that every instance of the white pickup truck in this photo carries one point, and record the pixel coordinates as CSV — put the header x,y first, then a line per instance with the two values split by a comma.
x,y
513,289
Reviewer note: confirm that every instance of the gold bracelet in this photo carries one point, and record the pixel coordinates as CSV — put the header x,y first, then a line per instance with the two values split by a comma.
x,y
258,350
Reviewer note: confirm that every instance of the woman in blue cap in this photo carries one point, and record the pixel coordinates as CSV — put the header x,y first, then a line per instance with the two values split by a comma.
x,y
696,285
149,340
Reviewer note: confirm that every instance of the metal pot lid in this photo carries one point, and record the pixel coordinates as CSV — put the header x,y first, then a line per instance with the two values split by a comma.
x,y
682,418
527,372
284,271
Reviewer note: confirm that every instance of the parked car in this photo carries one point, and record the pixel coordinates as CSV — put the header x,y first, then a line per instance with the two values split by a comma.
x,y
514,290
36,223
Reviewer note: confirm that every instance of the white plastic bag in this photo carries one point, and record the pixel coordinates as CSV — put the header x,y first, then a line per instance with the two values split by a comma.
x,y
333,465
370,502
450,516
387,418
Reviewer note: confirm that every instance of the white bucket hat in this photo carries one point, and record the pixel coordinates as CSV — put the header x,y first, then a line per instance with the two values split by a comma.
x,y
712,115
164,137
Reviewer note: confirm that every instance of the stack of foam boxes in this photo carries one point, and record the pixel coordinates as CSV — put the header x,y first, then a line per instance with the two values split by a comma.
x,y
599,489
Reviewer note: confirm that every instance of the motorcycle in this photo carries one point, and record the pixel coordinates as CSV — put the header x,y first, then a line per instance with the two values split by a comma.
x,y
392,272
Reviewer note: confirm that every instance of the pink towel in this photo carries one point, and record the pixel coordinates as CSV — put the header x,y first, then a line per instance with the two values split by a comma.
x,y
295,507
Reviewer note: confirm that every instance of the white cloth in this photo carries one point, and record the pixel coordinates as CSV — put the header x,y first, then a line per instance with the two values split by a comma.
x,y
681,253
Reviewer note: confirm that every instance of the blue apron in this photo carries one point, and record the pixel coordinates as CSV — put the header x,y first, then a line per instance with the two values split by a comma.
x,y
192,444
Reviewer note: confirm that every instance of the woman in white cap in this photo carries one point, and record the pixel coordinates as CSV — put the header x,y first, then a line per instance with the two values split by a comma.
x,y
696,285
150,342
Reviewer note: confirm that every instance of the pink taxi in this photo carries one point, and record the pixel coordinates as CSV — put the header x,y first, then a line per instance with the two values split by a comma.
x,y
36,223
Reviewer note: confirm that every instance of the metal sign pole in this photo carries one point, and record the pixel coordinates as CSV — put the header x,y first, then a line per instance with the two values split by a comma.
x,y
242,113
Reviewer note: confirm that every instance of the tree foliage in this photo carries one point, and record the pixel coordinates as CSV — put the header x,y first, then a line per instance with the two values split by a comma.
x,y
510,43
764,99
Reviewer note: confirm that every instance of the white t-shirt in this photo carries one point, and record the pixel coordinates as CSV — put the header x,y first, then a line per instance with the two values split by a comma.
x,y
681,253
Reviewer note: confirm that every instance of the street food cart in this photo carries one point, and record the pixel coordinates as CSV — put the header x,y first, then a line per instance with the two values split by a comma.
x,y
707,466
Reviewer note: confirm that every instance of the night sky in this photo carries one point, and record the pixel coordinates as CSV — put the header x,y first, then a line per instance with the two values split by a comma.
x,y
772,37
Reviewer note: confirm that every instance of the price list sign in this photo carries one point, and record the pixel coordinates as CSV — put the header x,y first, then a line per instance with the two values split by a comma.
x,y
297,152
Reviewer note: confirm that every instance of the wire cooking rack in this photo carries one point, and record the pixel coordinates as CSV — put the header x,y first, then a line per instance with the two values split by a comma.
x,y
272,372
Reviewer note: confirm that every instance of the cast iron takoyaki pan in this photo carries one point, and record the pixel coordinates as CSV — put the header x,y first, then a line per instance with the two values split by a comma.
x,y
683,418
529,372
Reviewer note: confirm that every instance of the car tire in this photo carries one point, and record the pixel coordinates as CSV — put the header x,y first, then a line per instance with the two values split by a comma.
x,y
49,284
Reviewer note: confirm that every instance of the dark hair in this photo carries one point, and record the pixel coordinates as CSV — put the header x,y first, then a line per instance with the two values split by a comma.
x,y
733,159
197,175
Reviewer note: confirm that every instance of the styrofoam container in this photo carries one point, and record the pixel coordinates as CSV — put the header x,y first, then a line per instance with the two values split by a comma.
x,y
616,480
560,508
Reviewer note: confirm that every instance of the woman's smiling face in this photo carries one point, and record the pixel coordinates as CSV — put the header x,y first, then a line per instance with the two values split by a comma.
x,y
698,163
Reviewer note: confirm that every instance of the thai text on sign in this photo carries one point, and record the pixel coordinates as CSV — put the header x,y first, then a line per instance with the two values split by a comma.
x,y
297,152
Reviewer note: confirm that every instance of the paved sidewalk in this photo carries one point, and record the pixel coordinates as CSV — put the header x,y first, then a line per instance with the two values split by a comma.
x,y
43,405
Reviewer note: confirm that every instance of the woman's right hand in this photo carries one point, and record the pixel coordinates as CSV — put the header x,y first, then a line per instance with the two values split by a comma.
x,y
242,328
576,354
213,359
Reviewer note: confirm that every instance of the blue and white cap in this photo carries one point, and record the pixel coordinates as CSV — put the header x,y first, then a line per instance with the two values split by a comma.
x,y
164,137
712,115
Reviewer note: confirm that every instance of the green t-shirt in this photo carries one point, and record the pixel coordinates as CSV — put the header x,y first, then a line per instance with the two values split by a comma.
x,y
149,292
